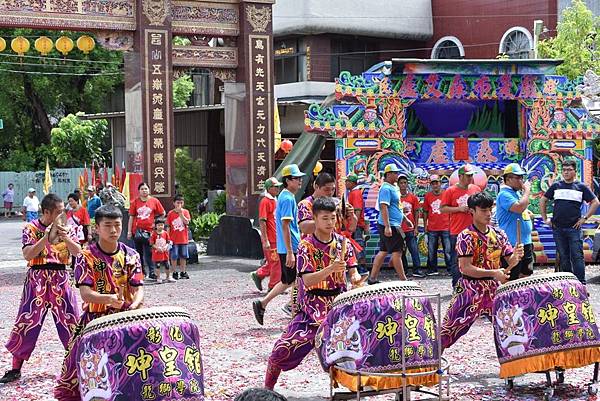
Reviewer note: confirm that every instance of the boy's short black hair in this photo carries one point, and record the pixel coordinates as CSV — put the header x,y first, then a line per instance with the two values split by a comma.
x,y
481,200
569,163
109,212
178,197
324,179
159,220
325,204
49,202
259,394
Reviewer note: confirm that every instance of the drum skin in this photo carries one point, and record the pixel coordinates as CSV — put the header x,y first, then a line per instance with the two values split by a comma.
x,y
542,322
148,354
363,331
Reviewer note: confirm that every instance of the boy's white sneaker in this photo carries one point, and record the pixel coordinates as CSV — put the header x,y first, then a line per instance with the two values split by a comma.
x,y
169,279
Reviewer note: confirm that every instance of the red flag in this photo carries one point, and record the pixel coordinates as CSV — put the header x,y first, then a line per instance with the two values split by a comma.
x,y
93,174
104,175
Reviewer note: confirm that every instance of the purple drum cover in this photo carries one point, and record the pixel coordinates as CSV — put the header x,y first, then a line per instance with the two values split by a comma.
x,y
365,332
154,359
545,314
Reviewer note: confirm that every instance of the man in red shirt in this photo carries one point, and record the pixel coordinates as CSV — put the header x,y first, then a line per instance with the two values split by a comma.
x,y
355,198
410,207
437,226
178,220
454,202
266,217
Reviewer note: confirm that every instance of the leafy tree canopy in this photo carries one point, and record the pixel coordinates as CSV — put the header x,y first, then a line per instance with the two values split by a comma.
x,y
576,42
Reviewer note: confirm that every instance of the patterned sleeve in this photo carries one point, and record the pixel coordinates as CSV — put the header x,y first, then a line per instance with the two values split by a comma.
x,y
82,271
135,277
28,237
305,264
505,244
350,255
464,244
304,211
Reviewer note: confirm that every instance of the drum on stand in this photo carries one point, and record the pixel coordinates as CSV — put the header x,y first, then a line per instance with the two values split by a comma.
x,y
368,330
145,354
543,322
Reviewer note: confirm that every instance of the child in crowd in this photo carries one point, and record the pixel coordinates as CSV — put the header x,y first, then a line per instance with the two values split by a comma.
x,y
160,241
178,220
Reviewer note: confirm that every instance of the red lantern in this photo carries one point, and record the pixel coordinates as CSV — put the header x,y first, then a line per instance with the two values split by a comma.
x,y
287,145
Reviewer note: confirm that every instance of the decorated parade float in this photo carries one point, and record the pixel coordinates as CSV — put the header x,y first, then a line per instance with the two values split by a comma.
x,y
431,116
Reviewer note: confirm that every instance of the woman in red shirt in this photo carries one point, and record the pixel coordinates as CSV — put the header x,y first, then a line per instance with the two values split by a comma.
x,y
78,219
144,209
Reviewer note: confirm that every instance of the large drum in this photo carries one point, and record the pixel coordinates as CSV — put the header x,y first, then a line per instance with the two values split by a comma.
x,y
542,322
363,332
146,354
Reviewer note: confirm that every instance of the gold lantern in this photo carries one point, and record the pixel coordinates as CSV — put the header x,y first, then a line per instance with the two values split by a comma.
x,y
64,44
20,45
86,44
44,45
2,44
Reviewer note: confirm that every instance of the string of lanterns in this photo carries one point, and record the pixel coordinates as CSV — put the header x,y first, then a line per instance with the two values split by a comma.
x,y
44,45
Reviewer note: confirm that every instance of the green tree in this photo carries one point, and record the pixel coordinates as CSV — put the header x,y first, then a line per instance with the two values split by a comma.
x,y
182,90
576,41
189,175
76,141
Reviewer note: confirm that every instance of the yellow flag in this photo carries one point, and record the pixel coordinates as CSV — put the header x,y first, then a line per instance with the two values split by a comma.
x,y
277,127
126,191
47,179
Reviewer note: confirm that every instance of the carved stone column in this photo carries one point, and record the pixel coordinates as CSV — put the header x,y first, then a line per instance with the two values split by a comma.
x,y
249,110
150,141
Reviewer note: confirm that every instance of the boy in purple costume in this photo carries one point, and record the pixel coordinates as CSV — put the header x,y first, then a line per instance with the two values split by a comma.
x,y
480,248
46,283
110,279
323,259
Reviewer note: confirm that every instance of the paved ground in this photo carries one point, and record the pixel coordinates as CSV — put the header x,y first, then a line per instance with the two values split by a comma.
x,y
235,347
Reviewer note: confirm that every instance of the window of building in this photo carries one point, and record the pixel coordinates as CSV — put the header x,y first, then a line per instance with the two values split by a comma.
x,y
516,43
448,47
355,55
290,61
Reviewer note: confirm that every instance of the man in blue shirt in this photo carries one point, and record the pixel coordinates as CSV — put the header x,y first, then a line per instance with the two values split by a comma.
x,y
391,237
93,201
288,236
569,195
511,209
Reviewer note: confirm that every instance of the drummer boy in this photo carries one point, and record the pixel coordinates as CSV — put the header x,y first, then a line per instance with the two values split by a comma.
x,y
109,277
323,258
480,248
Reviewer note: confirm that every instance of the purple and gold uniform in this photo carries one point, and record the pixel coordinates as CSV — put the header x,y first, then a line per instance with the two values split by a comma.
x,y
314,303
474,296
46,288
105,273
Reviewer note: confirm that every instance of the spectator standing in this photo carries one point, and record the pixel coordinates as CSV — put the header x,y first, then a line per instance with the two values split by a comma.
x,y
144,209
437,226
93,201
389,224
288,236
161,244
31,206
511,211
8,196
355,198
411,209
178,220
268,234
568,195
78,219
454,202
